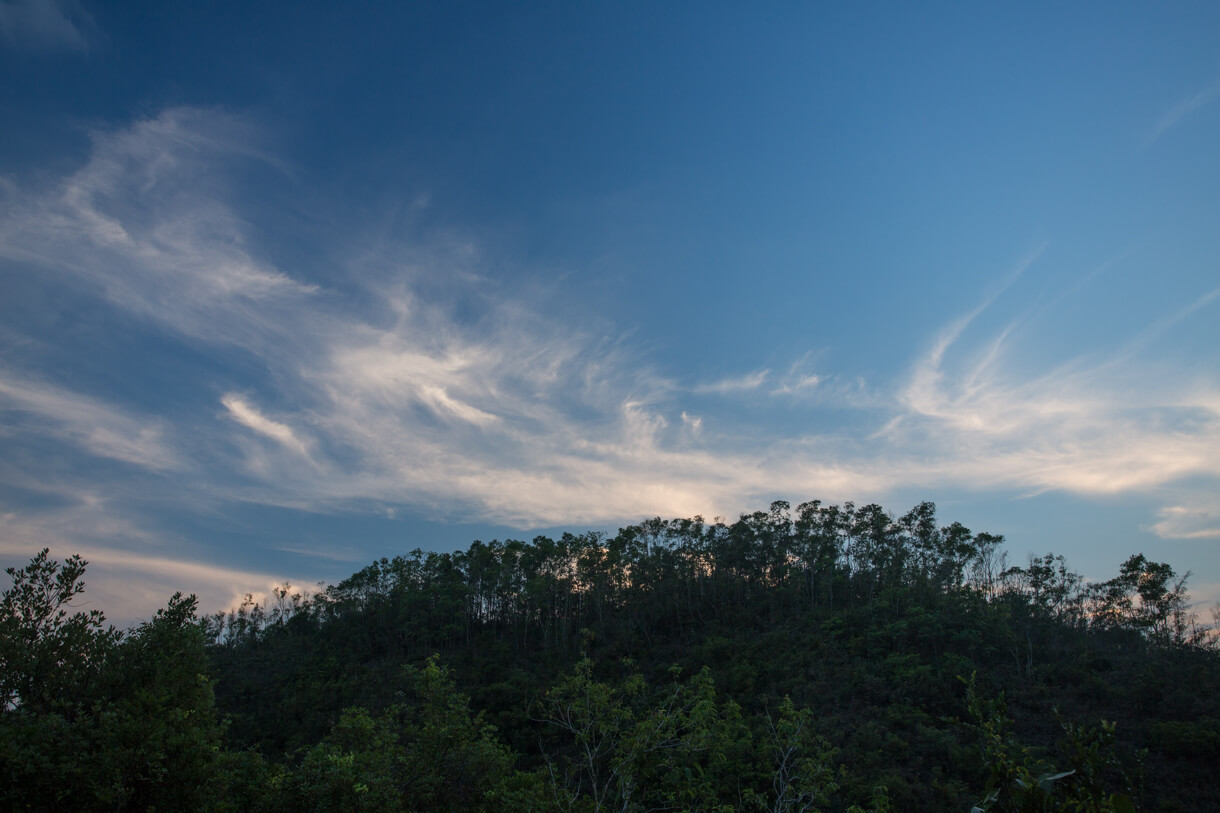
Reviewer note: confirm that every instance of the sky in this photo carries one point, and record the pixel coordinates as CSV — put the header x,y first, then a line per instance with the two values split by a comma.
x,y
289,287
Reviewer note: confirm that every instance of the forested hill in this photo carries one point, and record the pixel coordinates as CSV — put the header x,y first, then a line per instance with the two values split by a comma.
x,y
818,658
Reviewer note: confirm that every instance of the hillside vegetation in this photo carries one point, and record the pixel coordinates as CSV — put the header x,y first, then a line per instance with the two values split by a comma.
x,y
818,658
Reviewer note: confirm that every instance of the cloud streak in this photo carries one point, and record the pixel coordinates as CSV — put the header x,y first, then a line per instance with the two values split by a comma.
x,y
251,418
130,569
742,383
145,223
461,400
46,25
1086,429
98,428
1198,521
1181,110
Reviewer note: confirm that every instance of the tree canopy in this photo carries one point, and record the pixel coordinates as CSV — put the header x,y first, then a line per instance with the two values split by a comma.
x,y
827,657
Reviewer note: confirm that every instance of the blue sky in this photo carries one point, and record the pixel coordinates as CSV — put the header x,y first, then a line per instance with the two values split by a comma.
x,y
285,288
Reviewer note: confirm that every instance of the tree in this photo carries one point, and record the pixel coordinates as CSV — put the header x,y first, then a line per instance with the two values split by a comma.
x,y
51,666
804,774
431,755
1020,783
621,748
1146,596
93,719
157,732
48,657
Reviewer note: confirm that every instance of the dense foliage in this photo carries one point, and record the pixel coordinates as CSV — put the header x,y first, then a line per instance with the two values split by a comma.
x,y
827,658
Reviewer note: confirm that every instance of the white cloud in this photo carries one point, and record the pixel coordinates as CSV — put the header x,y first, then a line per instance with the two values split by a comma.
x,y
1199,521
743,383
800,379
797,383
249,416
1090,430
1123,423
1162,326
1179,111
443,403
145,222
496,410
693,423
51,25
131,571
88,423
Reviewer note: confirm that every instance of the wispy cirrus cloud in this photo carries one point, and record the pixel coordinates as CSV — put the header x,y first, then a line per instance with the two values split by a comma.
x,y
145,222
432,389
1200,520
1182,109
800,378
1088,429
131,570
97,427
1119,423
742,383
46,25
250,417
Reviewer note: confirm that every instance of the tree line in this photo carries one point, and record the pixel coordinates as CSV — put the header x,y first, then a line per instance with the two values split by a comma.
x,y
827,657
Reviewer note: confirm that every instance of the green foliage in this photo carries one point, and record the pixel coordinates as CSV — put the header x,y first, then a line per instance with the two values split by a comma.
x,y
245,782
1196,740
621,747
803,772
848,610
454,758
95,720
1020,783
49,658
357,767
157,733
1145,596
433,754
834,634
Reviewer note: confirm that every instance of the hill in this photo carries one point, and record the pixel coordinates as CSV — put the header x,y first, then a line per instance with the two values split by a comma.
x,y
818,658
